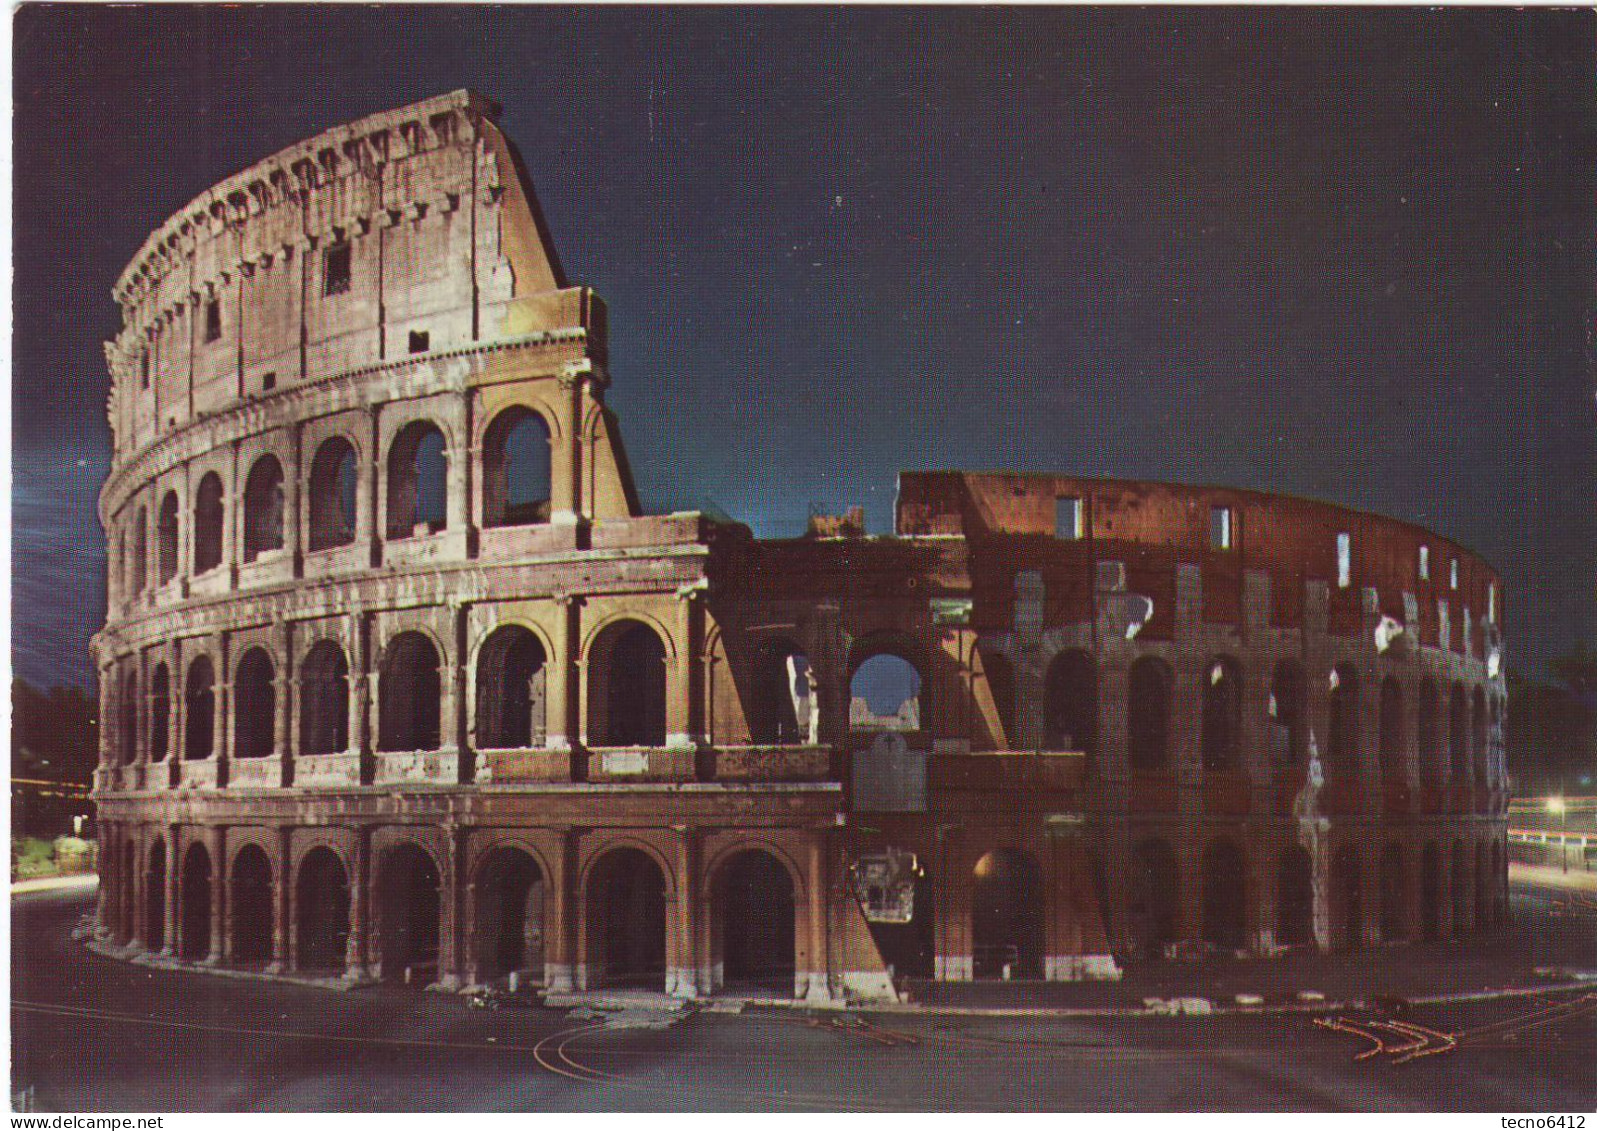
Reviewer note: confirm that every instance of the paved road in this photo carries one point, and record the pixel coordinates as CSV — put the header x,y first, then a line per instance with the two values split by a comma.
x,y
93,1034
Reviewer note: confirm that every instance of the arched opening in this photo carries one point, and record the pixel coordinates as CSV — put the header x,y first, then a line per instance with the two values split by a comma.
x,y
1431,893
200,711
626,677
127,901
254,706
626,920
1289,732
510,916
324,700
510,690
208,523
1463,890
1432,768
1153,905
1222,715
885,695
160,712
1225,888
1458,735
250,898
784,696
1344,760
1347,900
334,474
754,922
1294,898
1391,729
408,906
166,538
516,469
321,912
1148,714
1394,895
1480,736
417,481
910,948
141,550
129,712
409,693
1007,908
155,898
263,508
196,903
1070,704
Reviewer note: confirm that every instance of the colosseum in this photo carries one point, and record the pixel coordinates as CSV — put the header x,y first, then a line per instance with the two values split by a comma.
x,y
400,682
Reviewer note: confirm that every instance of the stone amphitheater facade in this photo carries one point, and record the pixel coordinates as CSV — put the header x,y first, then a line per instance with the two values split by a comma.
x,y
399,681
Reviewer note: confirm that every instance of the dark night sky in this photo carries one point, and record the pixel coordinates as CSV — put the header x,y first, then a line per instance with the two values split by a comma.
x,y
1344,254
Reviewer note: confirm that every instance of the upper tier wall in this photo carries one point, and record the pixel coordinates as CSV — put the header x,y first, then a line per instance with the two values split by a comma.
x,y
405,233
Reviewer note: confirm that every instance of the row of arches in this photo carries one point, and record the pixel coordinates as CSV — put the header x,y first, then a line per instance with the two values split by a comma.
x,y
516,492
1474,876
627,704
752,924
1457,749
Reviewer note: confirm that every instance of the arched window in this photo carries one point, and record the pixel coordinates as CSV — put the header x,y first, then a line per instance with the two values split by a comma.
x,y
166,535
332,495
1148,714
208,523
324,701
1458,734
1394,895
510,690
254,706
1289,734
1001,682
1153,904
130,718
160,712
263,508
516,469
783,695
885,694
199,733
1222,715
626,681
408,693
141,550
417,481
1070,703
1344,720
1392,729
1294,898
1225,887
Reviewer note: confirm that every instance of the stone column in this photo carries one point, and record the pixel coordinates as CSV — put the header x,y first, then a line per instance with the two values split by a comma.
x,y
174,890
1030,662
560,699
450,900
567,504
221,910
682,978
357,955
283,905
679,728
559,959
818,988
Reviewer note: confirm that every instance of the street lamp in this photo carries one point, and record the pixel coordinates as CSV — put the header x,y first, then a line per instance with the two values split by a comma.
x,y
1556,806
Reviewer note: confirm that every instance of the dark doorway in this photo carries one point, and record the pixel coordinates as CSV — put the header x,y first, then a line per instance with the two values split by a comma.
x,y
510,915
510,690
626,920
754,897
1225,888
1148,714
408,907
1007,916
1394,920
321,906
1153,904
1347,907
408,693
1431,893
251,894
155,898
1070,704
628,697
254,706
196,903
1294,898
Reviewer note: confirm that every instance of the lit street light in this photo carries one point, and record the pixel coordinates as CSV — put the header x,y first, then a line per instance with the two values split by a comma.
x,y
1556,806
